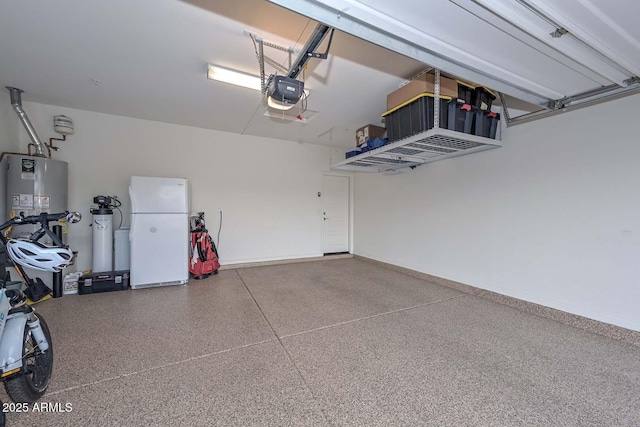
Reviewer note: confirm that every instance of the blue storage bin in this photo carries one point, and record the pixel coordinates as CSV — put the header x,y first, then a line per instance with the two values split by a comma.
x,y
374,143
352,153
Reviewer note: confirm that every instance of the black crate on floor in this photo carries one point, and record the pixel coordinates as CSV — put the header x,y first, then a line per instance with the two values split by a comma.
x,y
460,117
414,117
485,123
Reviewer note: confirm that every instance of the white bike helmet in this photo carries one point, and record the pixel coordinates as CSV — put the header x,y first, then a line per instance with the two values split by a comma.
x,y
38,256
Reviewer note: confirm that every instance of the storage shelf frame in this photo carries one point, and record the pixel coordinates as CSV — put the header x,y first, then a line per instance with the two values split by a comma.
x,y
430,146
425,147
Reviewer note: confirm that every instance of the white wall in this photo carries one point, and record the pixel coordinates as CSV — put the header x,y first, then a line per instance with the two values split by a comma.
x,y
553,217
9,141
267,188
8,125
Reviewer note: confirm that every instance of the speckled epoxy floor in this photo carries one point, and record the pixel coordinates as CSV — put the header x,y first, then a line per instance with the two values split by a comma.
x,y
330,343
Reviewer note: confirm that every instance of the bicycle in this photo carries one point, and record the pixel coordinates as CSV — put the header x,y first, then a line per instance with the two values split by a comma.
x,y
26,351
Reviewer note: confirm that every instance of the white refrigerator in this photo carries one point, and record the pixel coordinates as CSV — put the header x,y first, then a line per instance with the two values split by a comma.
x,y
159,232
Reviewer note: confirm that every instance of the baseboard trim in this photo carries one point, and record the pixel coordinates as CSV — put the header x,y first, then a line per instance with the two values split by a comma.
x,y
284,261
606,329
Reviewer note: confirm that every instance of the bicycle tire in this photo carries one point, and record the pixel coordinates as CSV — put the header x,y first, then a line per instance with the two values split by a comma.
x,y
33,382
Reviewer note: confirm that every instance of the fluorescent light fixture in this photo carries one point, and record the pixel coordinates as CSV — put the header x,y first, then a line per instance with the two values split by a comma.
x,y
237,78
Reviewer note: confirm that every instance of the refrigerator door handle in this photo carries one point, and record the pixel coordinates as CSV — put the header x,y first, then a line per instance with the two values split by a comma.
x,y
133,226
133,201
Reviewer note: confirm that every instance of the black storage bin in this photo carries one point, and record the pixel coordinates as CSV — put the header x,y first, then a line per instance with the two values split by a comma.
x,y
103,282
414,117
493,125
465,92
485,123
482,98
481,123
460,117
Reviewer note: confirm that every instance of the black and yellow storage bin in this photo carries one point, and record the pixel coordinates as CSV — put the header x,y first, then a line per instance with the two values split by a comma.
x,y
415,116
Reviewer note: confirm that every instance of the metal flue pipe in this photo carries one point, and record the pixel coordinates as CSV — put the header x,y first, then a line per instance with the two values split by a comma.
x,y
16,103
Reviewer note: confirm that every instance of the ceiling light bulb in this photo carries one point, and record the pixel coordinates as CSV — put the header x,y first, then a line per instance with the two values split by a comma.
x,y
233,77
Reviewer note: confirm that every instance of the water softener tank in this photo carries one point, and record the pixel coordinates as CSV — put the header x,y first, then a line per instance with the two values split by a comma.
x,y
102,239
34,185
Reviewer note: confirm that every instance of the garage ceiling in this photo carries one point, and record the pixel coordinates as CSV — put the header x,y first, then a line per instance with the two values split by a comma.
x,y
148,59
552,53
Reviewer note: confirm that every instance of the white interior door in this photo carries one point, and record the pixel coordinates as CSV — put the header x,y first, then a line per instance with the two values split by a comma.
x,y
335,214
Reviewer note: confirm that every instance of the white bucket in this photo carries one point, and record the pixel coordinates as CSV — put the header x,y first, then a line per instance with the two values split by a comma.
x,y
70,283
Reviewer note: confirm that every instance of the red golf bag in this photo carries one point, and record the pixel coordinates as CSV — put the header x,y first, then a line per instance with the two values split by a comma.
x,y
203,260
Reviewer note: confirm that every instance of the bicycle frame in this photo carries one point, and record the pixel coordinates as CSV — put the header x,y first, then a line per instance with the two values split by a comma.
x,y
13,321
3,268
11,337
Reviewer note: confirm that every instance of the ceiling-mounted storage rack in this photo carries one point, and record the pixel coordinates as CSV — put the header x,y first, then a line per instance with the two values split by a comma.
x,y
425,147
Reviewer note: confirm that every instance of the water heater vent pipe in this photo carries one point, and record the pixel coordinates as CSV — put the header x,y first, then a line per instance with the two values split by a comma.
x,y
16,103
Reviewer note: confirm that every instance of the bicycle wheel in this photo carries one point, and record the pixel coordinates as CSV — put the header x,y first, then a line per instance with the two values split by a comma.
x,y
33,382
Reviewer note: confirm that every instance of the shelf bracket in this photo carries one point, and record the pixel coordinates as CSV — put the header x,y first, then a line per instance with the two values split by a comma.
x,y
263,59
295,68
436,100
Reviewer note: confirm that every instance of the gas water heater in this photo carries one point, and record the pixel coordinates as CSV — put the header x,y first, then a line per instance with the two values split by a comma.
x,y
33,183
